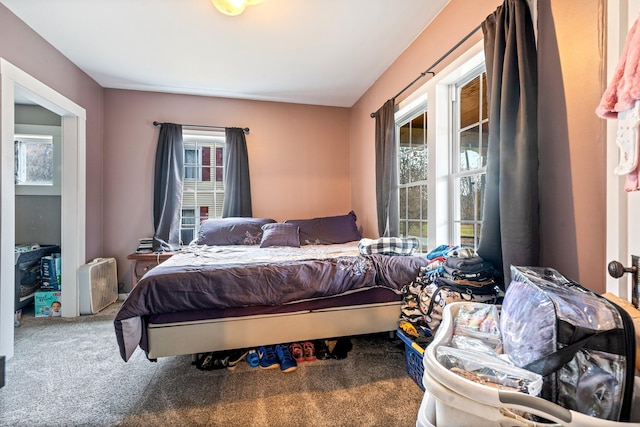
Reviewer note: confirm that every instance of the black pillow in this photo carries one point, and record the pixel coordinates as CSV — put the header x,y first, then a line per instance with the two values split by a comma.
x,y
280,234
232,231
327,230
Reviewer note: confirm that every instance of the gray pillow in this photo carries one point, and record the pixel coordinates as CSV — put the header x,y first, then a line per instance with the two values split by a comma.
x,y
327,230
280,234
232,231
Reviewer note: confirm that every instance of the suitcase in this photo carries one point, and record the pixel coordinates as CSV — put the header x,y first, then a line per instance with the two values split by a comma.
x,y
580,342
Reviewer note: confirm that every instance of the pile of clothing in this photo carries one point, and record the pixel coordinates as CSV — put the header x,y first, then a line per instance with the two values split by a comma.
x,y
453,274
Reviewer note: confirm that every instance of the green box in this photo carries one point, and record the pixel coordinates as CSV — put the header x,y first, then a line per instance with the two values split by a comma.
x,y
44,303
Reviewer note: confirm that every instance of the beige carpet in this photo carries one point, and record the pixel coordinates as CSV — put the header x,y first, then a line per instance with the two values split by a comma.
x,y
69,373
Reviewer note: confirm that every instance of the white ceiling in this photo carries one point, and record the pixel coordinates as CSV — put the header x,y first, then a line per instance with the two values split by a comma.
x,y
321,52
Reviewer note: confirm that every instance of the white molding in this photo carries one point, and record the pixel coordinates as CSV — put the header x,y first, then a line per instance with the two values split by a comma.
x,y
73,245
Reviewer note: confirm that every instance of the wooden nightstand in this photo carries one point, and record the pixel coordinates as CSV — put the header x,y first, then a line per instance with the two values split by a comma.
x,y
141,263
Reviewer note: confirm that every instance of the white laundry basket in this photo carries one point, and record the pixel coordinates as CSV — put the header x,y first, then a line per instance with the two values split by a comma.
x,y
451,400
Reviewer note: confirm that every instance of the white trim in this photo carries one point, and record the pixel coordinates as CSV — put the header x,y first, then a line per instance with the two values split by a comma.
x,y
616,199
13,80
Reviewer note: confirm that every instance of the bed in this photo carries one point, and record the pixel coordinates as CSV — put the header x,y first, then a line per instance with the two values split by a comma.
x,y
247,282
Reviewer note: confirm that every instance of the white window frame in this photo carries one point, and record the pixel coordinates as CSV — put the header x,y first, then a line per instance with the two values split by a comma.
x,y
456,174
440,132
55,189
198,165
202,135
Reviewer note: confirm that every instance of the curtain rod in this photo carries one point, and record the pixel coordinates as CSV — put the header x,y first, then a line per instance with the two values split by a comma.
x,y
246,130
442,58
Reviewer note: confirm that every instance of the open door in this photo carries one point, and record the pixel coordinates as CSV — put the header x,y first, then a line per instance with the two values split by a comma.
x,y
623,209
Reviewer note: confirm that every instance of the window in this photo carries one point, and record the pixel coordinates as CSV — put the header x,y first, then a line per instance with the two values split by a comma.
x,y
413,167
33,159
470,149
442,132
37,160
203,186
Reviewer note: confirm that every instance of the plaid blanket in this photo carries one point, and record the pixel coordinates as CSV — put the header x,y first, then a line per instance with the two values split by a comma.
x,y
389,246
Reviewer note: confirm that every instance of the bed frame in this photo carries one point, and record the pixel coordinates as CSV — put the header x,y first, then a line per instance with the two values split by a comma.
x,y
172,339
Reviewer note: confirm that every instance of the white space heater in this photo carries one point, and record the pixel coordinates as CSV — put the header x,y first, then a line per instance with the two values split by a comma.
x,y
98,285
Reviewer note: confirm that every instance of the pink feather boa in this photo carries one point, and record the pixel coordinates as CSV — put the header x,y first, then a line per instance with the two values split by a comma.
x,y
624,89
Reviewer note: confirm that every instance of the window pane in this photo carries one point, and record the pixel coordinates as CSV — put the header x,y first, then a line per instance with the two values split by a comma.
x,y
188,218
467,199
470,103
187,236
467,236
414,228
404,135
413,202
403,228
425,203
418,165
485,143
403,203
469,149
190,156
480,187
485,107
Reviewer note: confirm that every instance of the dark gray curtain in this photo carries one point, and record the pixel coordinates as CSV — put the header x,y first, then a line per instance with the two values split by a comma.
x,y
510,227
237,187
167,188
387,196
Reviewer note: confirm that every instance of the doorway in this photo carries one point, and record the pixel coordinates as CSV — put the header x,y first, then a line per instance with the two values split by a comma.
x,y
16,84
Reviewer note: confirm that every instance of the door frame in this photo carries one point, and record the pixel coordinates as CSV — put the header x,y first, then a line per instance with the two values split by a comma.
x,y
14,81
623,235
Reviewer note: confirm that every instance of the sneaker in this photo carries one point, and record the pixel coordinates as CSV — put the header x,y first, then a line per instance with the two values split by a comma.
x,y
235,357
213,360
309,351
287,362
253,359
297,352
268,358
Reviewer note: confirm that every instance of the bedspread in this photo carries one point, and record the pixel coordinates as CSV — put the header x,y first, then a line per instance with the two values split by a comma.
x,y
206,277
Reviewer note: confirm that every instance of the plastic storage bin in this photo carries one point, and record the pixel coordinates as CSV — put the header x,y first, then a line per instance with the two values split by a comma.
x,y
415,368
451,400
27,273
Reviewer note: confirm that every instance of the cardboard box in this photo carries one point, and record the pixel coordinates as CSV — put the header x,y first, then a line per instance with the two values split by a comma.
x,y
47,303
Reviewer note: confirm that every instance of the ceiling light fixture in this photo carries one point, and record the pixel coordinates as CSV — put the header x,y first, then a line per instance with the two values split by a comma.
x,y
233,7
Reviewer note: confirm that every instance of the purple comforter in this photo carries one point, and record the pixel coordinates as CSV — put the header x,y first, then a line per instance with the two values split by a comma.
x,y
206,277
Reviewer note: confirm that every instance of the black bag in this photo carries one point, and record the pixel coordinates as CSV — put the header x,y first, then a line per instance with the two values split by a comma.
x,y
581,343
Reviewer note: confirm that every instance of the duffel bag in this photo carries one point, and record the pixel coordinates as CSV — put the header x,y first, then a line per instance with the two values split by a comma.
x,y
581,343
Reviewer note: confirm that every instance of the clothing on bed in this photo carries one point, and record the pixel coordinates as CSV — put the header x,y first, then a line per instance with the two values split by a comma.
x,y
389,246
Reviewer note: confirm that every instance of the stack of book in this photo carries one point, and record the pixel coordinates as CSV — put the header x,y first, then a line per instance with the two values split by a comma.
x,y
145,246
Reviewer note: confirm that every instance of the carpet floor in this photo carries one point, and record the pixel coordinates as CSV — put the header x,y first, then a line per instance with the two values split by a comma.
x,y
68,372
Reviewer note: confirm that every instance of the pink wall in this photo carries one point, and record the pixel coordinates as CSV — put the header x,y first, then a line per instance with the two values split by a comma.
x,y
572,137
298,154
325,164
457,20
25,49
572,157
